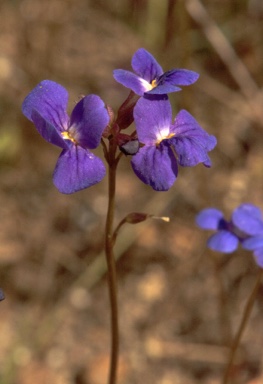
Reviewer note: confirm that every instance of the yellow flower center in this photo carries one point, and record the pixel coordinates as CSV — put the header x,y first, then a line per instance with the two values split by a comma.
x,y
67,136
154,83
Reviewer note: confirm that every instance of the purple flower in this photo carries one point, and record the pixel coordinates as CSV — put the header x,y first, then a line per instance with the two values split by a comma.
x,y
246,221
150,77
165,144
77,168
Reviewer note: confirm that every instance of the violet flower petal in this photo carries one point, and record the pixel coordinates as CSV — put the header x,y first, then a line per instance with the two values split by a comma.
x,y
171,80
223,241
258,256
253,243
152,119
156,167
77,169
209,218
178,77
248,219
145,65
50,101
137,84
48,131
88,120
191,142
163,89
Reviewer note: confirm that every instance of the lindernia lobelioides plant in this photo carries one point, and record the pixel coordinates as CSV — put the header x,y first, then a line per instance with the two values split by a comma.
x,y
157,147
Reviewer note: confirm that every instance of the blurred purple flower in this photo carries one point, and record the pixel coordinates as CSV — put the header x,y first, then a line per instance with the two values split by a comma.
x,y
246,222
255,244
150,77
165,144
77,168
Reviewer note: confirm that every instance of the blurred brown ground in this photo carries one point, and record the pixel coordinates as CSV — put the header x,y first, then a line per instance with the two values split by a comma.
x,y
179,304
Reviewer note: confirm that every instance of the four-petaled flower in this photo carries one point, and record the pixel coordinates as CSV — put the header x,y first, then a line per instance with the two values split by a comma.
x,y
165,144
246,223
77,168
150,77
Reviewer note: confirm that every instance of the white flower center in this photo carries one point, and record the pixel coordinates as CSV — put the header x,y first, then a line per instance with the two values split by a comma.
x,y
148,86
163,135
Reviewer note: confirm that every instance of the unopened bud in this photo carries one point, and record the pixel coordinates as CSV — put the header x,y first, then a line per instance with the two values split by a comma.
x,y
136,217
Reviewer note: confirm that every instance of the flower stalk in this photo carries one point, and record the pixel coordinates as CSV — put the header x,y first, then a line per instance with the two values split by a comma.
x,y
111,266
245,317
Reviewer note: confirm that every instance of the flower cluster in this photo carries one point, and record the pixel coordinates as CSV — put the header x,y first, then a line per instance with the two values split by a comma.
x,y
245,227
158,146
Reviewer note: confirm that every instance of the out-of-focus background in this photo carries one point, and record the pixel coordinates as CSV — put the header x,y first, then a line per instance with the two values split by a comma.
x,y
180,304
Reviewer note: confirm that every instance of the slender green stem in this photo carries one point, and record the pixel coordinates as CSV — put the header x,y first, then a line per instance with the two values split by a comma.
x,y
112,281
246,314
